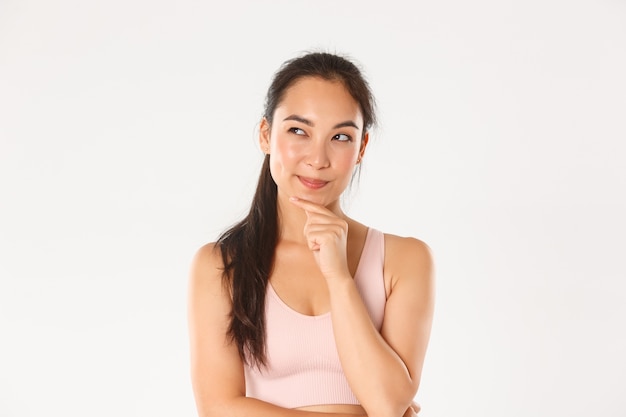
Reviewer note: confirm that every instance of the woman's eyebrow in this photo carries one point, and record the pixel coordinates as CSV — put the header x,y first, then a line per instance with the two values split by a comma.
x,y
300,119
295,117
347,123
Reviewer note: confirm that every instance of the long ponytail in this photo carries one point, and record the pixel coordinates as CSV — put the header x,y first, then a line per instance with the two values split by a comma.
x,y
248,254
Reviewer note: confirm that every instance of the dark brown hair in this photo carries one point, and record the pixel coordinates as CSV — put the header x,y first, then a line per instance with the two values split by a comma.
x,y
248,247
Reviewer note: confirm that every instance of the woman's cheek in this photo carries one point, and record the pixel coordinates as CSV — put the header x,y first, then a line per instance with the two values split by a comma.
x,y
349,159
292,151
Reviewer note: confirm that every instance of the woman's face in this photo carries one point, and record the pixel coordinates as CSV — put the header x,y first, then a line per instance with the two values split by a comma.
x,y
315,140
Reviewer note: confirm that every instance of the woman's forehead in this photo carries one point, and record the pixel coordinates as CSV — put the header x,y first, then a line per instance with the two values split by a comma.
x,y
317,99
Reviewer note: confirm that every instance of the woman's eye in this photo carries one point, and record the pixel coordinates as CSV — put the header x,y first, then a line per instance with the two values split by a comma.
x,y
297,131
342,137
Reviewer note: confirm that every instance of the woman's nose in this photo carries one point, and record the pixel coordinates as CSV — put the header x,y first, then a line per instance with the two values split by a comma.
x,y
318,156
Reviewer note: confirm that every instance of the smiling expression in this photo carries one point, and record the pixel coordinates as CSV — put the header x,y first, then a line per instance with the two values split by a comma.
x,y
315,140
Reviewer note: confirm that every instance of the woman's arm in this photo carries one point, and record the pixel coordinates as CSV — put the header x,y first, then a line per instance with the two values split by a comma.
x,y
383,369
216,370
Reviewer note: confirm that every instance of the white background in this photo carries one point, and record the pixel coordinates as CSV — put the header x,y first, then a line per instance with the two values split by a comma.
x,y
128,140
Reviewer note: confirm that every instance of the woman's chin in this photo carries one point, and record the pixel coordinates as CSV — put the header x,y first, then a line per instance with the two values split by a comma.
x,y
319,199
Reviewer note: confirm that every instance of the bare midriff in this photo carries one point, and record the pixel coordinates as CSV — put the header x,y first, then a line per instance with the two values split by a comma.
x,y
335,408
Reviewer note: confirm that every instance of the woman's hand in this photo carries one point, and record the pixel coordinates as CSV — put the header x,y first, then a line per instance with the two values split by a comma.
x,y
413,410
326,235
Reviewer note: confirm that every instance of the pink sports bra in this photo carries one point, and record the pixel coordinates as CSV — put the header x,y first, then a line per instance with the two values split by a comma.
x,y
303,366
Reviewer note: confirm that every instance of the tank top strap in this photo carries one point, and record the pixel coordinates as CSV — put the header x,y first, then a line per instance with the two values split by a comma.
x,y
369,276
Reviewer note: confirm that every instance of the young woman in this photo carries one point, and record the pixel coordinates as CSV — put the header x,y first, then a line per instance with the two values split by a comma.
x,y
298,309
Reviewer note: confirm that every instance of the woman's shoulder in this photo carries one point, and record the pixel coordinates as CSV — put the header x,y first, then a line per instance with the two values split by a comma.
x,y
397,248
407,258
208,253
406,245
207,266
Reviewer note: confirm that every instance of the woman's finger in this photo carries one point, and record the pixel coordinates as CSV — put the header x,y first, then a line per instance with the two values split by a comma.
x,y
310,206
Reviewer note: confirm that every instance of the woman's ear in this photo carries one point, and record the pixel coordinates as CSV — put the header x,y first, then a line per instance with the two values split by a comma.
x,y
364,141
264,136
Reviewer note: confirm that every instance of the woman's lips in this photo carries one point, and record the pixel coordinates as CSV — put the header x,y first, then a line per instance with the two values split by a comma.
x,y
312,182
